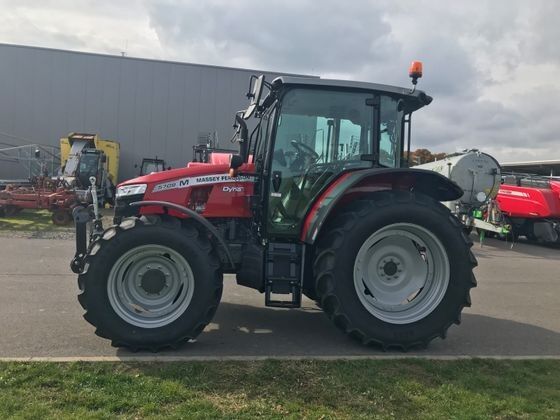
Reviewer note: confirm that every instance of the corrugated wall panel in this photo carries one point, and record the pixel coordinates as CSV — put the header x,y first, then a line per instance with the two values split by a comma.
x,y
151,107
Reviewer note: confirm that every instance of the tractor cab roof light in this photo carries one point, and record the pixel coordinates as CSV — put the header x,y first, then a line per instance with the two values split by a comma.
x,y
415,73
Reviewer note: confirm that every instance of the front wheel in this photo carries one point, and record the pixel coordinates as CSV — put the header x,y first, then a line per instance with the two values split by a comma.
x,y
150,286
395,270
61,217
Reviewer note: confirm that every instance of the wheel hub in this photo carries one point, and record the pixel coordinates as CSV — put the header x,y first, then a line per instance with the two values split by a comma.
x,y
153,281
389,268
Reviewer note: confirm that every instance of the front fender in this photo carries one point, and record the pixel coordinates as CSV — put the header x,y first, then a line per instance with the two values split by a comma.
x,y
196,217
359,183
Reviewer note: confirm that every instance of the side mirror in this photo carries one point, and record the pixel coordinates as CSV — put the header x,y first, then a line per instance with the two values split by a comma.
x,y
103,158
235,162
254,95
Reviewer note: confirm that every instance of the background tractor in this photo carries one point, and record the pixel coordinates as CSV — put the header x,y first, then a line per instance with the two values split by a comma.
x,y
150,165
83,156
316,202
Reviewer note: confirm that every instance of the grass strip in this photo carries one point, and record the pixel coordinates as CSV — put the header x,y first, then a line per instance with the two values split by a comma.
x,y
464,389
29,220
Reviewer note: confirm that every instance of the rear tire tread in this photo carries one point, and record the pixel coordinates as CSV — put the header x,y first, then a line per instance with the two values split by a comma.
x,y
324,264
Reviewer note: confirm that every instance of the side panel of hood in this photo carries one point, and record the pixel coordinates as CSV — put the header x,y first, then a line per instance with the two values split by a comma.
x,y
205,188
187,171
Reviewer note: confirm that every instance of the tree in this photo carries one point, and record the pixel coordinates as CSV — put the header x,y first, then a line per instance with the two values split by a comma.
x,y
420,156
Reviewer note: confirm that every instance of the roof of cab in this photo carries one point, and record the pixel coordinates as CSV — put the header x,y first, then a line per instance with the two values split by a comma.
x,y
417,96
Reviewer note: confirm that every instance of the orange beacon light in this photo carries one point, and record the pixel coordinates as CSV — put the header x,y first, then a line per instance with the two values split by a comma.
x,y
415,71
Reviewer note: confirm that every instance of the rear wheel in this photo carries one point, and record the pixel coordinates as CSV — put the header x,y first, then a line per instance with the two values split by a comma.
x,y
150,286
394,270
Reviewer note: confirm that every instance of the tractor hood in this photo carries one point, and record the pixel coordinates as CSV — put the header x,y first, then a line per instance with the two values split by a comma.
x,y
219,163
206,188
198,169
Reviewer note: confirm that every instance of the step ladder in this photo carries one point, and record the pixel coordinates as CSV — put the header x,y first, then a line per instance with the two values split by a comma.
x,y
283,274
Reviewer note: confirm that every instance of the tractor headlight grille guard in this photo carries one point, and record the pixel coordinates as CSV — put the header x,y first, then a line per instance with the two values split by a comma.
x,y
127,190
123,208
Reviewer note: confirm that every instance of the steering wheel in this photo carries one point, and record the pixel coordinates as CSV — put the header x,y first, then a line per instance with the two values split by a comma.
x,y
304,149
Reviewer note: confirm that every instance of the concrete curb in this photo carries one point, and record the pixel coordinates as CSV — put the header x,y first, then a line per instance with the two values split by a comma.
x,y
168,359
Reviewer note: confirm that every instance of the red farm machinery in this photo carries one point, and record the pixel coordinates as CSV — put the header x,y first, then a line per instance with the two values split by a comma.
x,y
43,193
531,205
83,157
318,202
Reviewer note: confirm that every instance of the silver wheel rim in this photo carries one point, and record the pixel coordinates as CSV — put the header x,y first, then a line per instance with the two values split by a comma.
x,y
150,286
401,273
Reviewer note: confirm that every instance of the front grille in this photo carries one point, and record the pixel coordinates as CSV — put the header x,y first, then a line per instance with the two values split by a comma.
x,y
122,208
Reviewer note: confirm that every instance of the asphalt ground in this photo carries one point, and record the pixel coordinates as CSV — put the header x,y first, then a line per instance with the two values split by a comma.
x,y
515,312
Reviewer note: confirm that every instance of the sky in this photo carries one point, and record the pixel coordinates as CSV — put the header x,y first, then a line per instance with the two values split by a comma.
x,y
492,66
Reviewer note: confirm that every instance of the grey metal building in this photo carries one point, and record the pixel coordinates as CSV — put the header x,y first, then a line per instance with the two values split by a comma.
x,y
151,107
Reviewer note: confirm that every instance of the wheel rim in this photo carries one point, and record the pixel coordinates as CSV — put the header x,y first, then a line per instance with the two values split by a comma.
x,y
150,286
401,273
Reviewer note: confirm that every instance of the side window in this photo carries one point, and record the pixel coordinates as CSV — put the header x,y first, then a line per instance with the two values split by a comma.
x,y
390,125
350,140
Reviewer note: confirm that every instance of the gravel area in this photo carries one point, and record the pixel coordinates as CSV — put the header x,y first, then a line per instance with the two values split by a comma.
x,y
39,234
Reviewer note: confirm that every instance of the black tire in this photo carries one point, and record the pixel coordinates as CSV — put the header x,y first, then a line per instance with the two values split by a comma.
x,y
338,247
11,211
61,217
207,292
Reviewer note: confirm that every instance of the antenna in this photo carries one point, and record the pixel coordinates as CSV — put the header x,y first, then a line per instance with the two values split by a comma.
x,y
123,53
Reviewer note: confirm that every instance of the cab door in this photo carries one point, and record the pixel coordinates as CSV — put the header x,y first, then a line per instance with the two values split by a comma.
x,y
318,135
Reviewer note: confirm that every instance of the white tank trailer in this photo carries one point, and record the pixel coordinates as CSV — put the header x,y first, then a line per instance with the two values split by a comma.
x,y
479,175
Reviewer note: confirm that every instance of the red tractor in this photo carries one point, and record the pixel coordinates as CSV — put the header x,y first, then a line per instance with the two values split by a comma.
x,y
318,201
531,205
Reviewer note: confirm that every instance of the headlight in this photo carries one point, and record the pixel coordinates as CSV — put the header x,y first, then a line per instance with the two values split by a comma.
x,y
127,190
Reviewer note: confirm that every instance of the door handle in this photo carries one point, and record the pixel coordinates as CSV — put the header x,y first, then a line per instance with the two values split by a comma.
x,y
276,180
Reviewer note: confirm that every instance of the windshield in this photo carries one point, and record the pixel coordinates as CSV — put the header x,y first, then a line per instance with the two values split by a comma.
x,y
88,164
149,167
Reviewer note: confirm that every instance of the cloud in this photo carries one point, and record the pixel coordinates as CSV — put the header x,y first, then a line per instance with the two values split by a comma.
x,y
85,25
301,36
491,65
473,53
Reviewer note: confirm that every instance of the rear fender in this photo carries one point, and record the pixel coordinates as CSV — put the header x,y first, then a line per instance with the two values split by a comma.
x,y
354,185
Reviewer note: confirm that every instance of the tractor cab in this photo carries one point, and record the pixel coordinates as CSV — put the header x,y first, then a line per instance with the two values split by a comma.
x,y
90,164
311,131
150,165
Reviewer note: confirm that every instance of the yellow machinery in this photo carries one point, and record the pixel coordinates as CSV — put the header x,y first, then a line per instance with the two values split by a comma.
x,y
110,148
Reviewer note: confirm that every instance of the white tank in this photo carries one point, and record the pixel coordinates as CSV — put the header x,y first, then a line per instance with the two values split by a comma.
x,y
477,173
